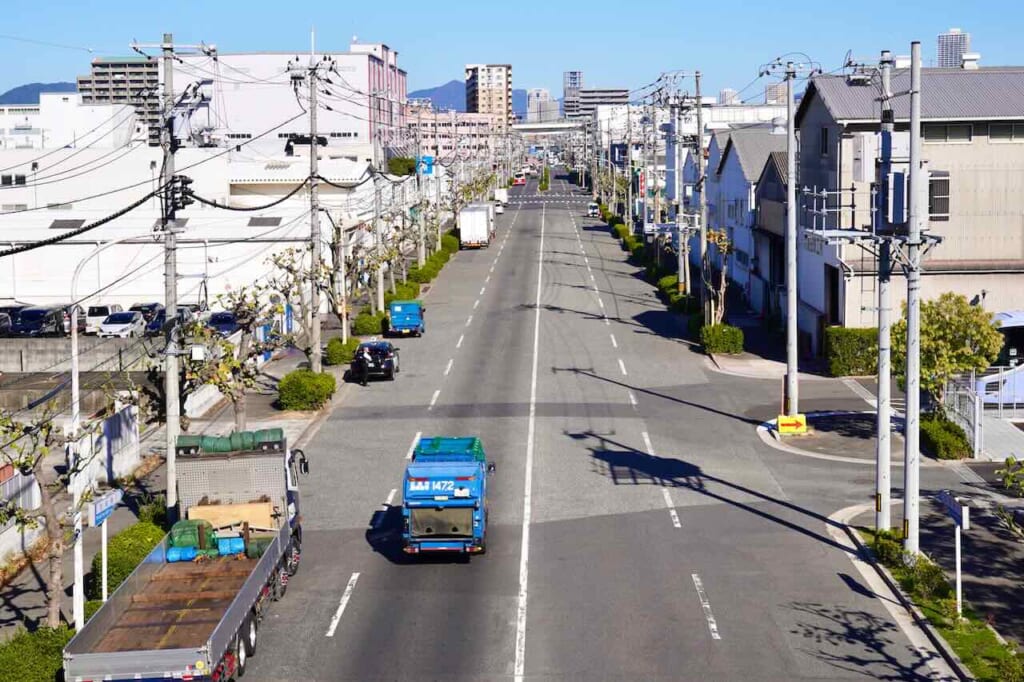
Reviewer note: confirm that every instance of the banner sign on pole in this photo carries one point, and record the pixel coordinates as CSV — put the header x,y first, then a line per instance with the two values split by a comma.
x,y
102,507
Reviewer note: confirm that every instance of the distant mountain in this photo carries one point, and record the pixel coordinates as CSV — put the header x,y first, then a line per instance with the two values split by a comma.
x,y
29,93
452,95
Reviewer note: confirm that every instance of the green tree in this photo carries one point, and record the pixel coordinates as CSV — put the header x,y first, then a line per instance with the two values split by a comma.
x,y
956,337
402,165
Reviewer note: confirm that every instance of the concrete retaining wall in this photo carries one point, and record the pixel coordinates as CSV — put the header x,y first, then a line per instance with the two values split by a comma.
x,y
54,354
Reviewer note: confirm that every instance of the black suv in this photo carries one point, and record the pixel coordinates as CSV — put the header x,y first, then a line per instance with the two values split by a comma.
x,y
39,321
383,360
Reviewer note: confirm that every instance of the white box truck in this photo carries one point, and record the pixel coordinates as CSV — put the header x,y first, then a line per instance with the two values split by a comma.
x,y
501,195
476,225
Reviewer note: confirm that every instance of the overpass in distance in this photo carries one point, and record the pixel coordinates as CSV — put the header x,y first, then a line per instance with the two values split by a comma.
x,y
548,128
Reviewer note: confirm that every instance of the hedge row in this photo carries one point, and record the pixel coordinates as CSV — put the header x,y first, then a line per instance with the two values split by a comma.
x,y
404,291
851,351
437,260
943,439
721,338
303,389
339,353
125,551
34,656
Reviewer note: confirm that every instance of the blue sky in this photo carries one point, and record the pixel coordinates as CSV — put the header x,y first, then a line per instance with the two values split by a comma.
x,y
615,43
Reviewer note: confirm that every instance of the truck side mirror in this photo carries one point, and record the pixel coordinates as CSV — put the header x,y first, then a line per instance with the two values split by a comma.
x,y
300,456
491,468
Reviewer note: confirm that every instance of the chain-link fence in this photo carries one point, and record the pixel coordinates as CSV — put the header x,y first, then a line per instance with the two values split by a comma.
x,y
963,407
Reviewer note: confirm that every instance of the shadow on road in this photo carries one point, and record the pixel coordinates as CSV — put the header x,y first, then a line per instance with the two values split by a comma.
x,y
384,536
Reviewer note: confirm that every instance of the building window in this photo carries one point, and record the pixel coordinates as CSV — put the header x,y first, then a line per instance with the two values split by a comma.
x,y
938,195
949,133
6,180
823,142
1006,132
19,179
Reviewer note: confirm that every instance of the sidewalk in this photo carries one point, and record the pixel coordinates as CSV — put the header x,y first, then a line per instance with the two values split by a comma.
x,y
22,602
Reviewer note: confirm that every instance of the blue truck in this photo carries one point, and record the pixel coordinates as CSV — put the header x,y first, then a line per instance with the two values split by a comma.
x,y
444,506
406,317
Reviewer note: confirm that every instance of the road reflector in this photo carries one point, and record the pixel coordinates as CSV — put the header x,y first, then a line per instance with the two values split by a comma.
x,y
792,423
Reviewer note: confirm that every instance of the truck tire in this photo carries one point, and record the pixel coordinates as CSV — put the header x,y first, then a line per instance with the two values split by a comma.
x,y
250,630
241,657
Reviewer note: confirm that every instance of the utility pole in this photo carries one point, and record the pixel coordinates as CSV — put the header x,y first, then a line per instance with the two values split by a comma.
x,y
379,240
682,271
629,170
705,299
315,359
912,453
883,443
792,398
421,250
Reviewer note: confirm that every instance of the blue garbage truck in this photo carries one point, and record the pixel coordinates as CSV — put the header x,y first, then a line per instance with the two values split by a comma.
x,y
444,506
406,317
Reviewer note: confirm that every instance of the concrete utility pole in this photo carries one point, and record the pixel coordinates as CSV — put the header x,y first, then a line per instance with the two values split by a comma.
x,y
315,359
379,242
792,398
421,250
629,168
883,443
704,297
912,453
682,271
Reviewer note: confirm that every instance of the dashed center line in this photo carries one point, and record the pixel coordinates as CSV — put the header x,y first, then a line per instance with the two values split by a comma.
x,y
433,399
622,366
346,595
673,514
632,398
476,303
469,321
461,339
615,344
706,605
487,279
391,497
600,302
647,443
482,290
451,361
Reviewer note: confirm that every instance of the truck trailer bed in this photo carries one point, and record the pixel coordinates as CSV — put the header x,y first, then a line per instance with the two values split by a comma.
x,y
178,607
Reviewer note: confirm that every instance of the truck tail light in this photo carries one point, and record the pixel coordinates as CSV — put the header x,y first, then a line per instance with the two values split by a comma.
x,y
418,479
466,478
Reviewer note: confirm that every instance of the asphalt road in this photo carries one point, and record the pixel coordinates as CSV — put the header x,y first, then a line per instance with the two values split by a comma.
x,y
639,528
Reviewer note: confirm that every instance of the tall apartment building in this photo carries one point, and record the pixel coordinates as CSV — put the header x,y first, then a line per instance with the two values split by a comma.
x,y
126,80
728,97
489,91
453,134
775,94
951,47
540,108
572,81
592,98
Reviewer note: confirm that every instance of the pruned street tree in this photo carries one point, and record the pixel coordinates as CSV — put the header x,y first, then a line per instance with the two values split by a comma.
x,y
233,369
717,284
956,337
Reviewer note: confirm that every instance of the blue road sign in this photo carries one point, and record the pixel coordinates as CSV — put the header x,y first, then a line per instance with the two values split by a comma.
x,y
426,165
99,509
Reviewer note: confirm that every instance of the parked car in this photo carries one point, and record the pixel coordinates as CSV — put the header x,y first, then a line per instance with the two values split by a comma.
x,y
155,327
39,321
95,315
66,319
224,323
14,310
5,324
126,325
383,360
148,310
593,210
499,207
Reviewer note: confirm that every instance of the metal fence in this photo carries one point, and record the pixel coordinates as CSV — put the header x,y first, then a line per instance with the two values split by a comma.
x,y
20,491
964,407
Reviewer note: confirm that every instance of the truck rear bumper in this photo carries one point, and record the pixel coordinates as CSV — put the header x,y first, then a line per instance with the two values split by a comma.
x,y
468,547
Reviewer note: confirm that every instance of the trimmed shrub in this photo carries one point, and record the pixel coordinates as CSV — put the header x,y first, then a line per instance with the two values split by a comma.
x,y
407,291
668,284
125,551
927,579
621,231
722,338
851,351
368,324
943,439
421,276
303,389
449,243
888,549
339,353
638,253
34,656
688,305
153,509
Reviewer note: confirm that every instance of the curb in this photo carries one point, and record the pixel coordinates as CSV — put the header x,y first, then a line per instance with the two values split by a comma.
x,y
940,644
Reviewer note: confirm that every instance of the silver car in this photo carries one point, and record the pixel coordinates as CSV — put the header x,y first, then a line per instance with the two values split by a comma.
x,y
126,325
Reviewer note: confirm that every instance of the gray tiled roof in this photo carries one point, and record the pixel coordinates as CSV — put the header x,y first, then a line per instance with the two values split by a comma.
x,y
780,162
946,94
752,146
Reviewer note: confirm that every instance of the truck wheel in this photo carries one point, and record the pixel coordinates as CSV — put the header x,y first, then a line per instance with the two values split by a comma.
x,y
391,374
241,657
249,628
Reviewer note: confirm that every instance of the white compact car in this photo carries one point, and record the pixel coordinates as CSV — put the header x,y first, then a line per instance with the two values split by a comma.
x,y
125,325
95,315
499,207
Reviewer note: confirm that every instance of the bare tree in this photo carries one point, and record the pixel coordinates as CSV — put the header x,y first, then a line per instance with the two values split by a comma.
x,y
717,286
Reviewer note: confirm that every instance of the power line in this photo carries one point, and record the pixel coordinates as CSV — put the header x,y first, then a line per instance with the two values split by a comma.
x,y
216,204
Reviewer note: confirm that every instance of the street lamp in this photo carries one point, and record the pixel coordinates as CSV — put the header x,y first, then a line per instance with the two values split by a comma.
x,y
78,595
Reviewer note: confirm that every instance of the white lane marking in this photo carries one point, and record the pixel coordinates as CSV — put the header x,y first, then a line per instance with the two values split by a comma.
x,y
413,444
615,344
487,278
600,302
459,344
469,321
448,369
632,399
607,322
391,497
482,290
862,393
671,509
592,278
476,303
706,605
433,399
647,444
524,551
622,366
346,595
492,268
586,260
